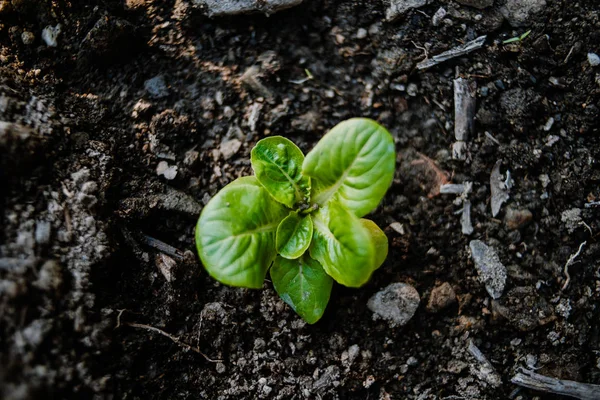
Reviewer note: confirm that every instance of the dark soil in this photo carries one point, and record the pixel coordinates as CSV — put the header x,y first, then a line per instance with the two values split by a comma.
x,y
131,84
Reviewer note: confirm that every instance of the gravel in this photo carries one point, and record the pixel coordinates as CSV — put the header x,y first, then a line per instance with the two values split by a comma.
x,y
491,271
397,304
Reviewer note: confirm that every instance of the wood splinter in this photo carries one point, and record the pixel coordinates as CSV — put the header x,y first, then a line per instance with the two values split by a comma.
x,y
532,380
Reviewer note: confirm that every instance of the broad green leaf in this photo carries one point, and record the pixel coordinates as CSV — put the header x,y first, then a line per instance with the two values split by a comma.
x,y
235,234
294,235
379,239
356,161
277,163
343,245
303,284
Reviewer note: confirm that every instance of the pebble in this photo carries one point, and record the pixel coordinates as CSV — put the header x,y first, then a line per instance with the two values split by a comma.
x,y
412,89
491,271
593,59
515,219
571,218
439,15
348,356
191,157
519,12
27,38
397,8
397,304
166,265
361,33
50,35
42,232
169,172
229,148
157,87
49,277
441,297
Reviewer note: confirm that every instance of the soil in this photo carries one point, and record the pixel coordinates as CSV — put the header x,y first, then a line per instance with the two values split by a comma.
x,y
84,286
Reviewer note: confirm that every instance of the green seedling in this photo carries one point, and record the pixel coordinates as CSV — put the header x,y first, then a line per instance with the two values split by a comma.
x,y
517,38
302,217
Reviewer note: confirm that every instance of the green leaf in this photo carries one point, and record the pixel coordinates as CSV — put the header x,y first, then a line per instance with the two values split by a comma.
x,y
303,285
343,245
379,240
356,161
294,235
277,163
235,234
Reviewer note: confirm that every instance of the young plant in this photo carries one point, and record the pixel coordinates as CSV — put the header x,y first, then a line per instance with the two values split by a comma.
x,y
301,217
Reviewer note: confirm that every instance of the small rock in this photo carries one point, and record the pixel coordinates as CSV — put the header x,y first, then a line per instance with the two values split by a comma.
x,y
27,38
49,277
191,157
109,36
35,333
593,59
412,89
439,15
157,87
515,219
361,33
307,122
220,368
42,232
477,3
391,61
229,148
169,172
571,218
498,189
397,8
519,12
141,109
50,35
219,8
397,303
348,356
166,265
327,379
491,271
441,297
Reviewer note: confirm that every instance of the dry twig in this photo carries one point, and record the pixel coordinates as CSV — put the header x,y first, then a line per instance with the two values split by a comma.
x,y
531,380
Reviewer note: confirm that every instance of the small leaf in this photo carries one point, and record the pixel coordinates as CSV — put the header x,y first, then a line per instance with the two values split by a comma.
x,y
277,163
303,285
379,240
294,235
235,234
343,245
356,161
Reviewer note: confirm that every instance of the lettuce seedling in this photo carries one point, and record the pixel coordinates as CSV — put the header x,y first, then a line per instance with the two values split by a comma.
x,y
302,217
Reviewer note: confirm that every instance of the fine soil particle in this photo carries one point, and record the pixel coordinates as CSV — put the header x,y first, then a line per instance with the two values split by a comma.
x,y
101,293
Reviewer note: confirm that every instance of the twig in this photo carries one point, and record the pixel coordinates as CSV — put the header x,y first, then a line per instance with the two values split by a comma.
x,y
163,247
531,380
175,339
569,262
569,55
452,53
